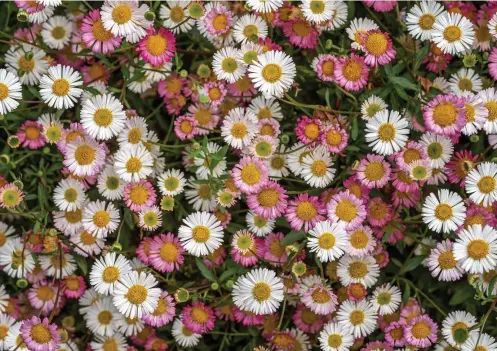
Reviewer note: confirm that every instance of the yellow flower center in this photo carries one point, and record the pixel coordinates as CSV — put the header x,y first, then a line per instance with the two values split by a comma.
x,y
321,295
426,21
177,14
411,155
301,28
276,249
101,218
250,174
61,87
73,216
317,7
268,197
359,239
386,132
376,43
452,33
311,131
45,293
492,110
201,234
308,317
169,252
171,183
346,210
267,129
374,171
229,65
486,184
4,91
202,116
110,345
445,114
220,22
335,340
420,330
199,315
465,84
121,14
357,317
134,136
358,270
239,130
41,334
104,317
4,330
26,65
133,165
272,73
326,241
446,260
139,194
478,249
261,291
161,307
264,113
84,155
250,30
443,212
215,93
204,191
137,294
319,168
378,210
72,283
156,44
58,32
32,133
103,117
306,211
100,33
352,71
110,274
482,33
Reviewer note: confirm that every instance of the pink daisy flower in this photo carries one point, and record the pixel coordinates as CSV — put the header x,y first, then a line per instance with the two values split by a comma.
x,y
139,195
42,296
274,251
269,202
163,313
216,91
304,212
459,167
373,171
394,334
30,135
413,151
334,138
39,335
306,320
250,175
69,135
360,241
325,67
157,47
351,73
198,317
356,292
175,104
10,196
320,299
156,344
74,286
223,217
245,248
143,250
381,5
421,332
345,208
442,263
393,228
492,63
185,127
225,312
308,130
437,61
36,275
444,115
407,199
218,20
379,212
381,256
300,33
95,36
172,86
378,47
268,45
269,127
247,318
206,115
141,338
410,311
402,181
165,253
355,186
377,345
95,71
84,157
243,89
478,215
466,9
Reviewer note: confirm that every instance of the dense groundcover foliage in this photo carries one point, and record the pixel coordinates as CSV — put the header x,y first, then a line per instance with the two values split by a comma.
x,y
268,175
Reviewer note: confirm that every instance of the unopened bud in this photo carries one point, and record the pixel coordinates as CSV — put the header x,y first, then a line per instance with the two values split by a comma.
x,y
181,295
229,284
22,16
183,73
4,159
214,286
29,56
21,283
204,71
18,183
285,139
68,322
116,247
474,138
328,44
150,16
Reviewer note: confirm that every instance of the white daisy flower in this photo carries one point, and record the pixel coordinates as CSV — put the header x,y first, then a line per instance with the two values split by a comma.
x,y
201,233
359,317
131,326
264,6
444,212
13,252
273,73
56,32
58,266
328,240
438,148
464,80
183,336
492,26
386,299
135,132
103,343
457,327
171,182
239,127
10,91
263,146
100,218
226,66
102,318
138,85
125,19
335,337
295,157
317,168
316,11
69,195
6,326
259,225
260,291
203,163
476,249
475,112
40,14
363,270
419,170
133,164
106,272
110,185
357,27
200,196
482,342
387,132
102,117
249,26
441,84
360,242
86,244
89,298
6,233
481,183
421,18
135,294
59,88
265,108
453,33
29,71
277,164
53,3
84,157
4,299
372,106
150,218
176,16
489,99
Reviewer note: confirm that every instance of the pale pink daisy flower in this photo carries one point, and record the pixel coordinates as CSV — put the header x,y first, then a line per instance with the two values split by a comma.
x,y
216,91
198,317
413,151
324,65
95,36
250,174
42,296
206,115
39,335
10,196
320,299
163,313
373,171
394,334
218,20
84,157
269,202
143,250
304,212
347,209
185,127
247,318
139,195
30,135
274,251
165,253
378,47
245,248
351,73
70,134
334,138
355,186
442,263
460,165
74,286
300,33
378,212
402,181
381,5
492,64
306,320
157,47
444,115
421,332
360,241
308,130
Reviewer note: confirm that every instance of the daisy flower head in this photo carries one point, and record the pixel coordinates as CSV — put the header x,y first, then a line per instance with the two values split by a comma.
x,y
226,66
345,208
106,272
438,148
176,16
273,73
269,202
184,336
476,249
58,266
216,21
334,138
100,218
363,270
133,164
373,171
185,127
125,19
135,132
479,341
357,27
110,185
248,27
198,317
465,80
15,260
320,299
357,318
453,33
102,317
157,47
95,36
443,212
265,108
457,327
360,242
387,132
378,48
264,6
30,69
317,168
335,337
386,299
328,240
117,341
239,127
304,212
163,313
56,32
421,331
421,18
317,11
102,117
475,112
135,294
139,195
59,88
150,218
351,73
324,66
10,91
489,99
165,253
260,291
481,183
201,233
171,182
372,106
258,224
420,170
10,196
250,174
39,334
442,263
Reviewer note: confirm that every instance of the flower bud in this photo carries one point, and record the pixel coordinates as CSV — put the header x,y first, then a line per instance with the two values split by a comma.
x,y
229,284
181,295
18,183
22,16
116,247
328,44
285,139
204,71
299,268
4,159
150,16
13,141
474,138
21,283
469,60
183,73
29,56
68,321
215,286
196,10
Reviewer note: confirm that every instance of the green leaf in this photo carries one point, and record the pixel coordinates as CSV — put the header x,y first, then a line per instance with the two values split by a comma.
x,y
406,294
292,237
403,83
92,90
413,263
218,157
81,262
355,129
178,61
463,293
206,272
492,285
397,262
401,92
421,55
105,60
42,196
128,217
327,98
